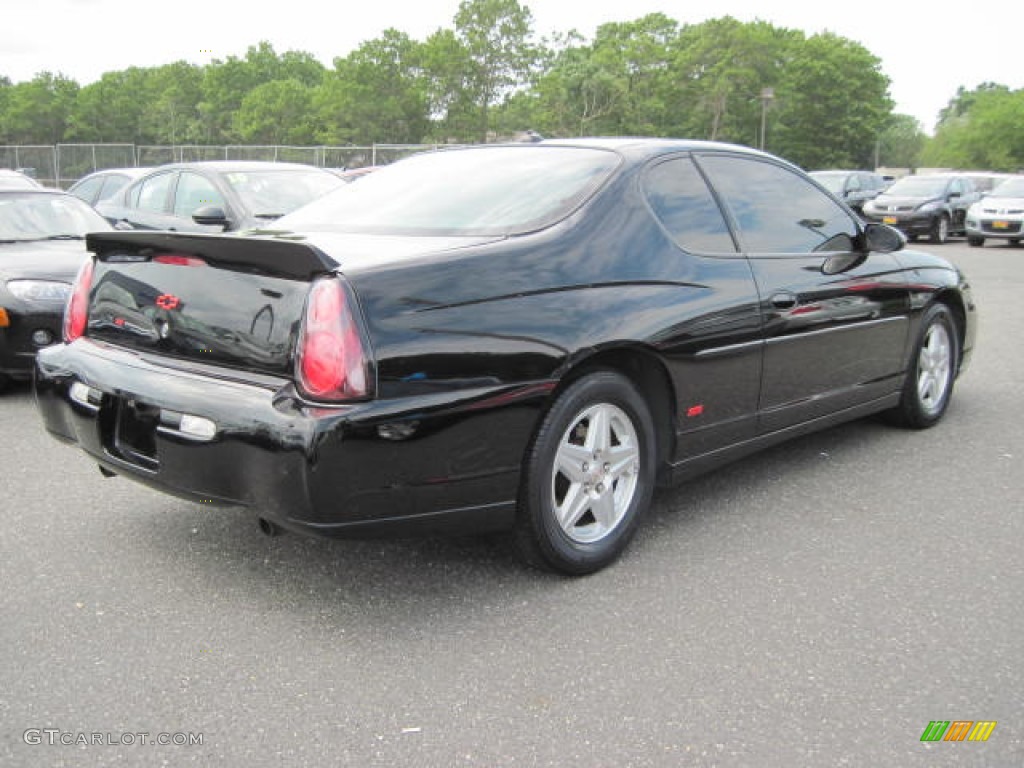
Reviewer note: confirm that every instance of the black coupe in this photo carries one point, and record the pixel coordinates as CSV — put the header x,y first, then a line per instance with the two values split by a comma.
x,y
525,338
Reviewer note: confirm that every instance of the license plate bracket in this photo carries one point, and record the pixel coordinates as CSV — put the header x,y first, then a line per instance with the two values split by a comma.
x,y
134,434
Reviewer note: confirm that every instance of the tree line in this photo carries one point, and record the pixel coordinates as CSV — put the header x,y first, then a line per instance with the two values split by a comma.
x,y
820,100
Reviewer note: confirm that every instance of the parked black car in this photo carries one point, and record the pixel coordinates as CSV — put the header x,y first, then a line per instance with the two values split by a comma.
x,y
42,246
216,196
523,337
934,205
852,187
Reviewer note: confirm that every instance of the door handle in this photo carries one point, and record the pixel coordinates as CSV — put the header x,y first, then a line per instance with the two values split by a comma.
x,y
784,300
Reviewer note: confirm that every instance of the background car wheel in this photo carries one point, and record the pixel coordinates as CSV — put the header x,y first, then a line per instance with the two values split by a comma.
x,y
1014,241
588,477
975,241
4,381
932,371
940,229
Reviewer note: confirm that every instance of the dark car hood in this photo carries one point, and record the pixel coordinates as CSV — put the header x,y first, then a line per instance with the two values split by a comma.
x,y
42,260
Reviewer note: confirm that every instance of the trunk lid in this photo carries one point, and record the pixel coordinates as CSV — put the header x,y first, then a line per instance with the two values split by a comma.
x,y
218,300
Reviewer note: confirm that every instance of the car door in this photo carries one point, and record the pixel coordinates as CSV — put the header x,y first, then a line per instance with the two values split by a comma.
x,y
834,320
713,351
961,196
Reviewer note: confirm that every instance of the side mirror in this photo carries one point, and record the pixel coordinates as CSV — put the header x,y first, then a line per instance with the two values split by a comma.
x,y
882,238
210,215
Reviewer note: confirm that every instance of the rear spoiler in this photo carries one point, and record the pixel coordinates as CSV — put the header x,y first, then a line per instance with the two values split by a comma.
x,y
288,258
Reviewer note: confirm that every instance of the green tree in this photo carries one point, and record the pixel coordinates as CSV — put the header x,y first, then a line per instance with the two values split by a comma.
x,y
375,94
721,68
38,110
498,53
901,142
172,114
980,130
227,83
278,112
833,105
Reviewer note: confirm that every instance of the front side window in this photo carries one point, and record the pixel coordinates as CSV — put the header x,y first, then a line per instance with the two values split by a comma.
x,y
195,191
776,209
683,204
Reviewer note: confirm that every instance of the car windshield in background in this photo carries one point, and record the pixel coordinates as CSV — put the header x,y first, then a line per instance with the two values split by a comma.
x,y
486,191
272,193
910,186
1009,188
41,216
833,182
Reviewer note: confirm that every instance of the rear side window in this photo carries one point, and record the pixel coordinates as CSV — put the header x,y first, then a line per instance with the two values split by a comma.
x,y
777,210
683,204
111,184
88,190
151,194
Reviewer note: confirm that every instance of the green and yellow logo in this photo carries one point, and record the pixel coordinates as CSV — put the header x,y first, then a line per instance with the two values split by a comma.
x,y
958,730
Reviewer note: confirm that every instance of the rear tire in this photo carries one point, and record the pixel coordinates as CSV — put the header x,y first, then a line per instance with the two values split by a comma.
x,y
588,477
975,241
931,372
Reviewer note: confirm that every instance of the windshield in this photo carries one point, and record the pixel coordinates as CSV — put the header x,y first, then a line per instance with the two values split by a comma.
x,y
497,190
918,186
1010,188
41,216
273,193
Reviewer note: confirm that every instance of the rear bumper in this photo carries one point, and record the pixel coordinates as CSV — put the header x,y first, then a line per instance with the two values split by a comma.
x,y
425,464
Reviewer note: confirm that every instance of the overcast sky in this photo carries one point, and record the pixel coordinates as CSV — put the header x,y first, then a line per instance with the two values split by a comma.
x,y
927,49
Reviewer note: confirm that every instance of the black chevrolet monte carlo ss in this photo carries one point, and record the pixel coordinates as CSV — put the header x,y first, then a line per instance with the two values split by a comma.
x,y
525,338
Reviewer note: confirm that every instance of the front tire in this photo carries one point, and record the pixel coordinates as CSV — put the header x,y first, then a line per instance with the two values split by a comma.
x,y
588,477
940,230
932,371
975,241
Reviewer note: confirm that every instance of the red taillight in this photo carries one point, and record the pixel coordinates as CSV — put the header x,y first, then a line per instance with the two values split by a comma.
x,y
76,314
179,260
332,362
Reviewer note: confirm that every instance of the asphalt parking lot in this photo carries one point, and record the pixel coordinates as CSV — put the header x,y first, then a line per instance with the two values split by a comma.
x,y
816,605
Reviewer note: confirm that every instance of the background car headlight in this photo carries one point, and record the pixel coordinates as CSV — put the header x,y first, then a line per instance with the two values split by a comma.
x,y
930,206
40,290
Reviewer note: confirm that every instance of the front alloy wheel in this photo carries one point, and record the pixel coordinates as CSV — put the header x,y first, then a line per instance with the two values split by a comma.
x,y
588,477
940,229
930,377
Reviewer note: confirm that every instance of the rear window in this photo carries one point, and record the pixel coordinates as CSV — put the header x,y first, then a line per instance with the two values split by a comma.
x,y
477,191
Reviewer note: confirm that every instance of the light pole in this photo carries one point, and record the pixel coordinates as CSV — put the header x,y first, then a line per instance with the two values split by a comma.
x,y
767,95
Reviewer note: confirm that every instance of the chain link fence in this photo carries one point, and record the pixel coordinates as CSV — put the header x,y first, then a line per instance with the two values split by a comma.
x,y
62,164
